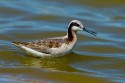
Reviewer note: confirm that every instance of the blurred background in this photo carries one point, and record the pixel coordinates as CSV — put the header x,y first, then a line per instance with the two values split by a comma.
x,y
98,59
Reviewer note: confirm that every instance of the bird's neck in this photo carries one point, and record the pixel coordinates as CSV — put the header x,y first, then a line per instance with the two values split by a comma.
x,y
71,34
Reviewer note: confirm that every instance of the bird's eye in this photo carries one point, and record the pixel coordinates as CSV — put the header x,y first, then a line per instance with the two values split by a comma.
x,y
77,25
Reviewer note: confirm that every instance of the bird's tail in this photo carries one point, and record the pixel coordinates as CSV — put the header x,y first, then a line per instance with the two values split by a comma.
x,y
18,43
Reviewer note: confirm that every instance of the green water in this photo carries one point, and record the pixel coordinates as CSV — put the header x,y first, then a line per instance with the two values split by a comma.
x,y
98,59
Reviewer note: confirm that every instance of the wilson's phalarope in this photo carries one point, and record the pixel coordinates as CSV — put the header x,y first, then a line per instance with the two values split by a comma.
x,y
54,46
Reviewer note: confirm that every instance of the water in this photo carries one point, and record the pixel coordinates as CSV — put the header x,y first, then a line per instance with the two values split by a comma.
x,y
98,59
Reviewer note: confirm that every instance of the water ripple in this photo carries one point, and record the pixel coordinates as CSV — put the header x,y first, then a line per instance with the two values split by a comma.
x,y
101,56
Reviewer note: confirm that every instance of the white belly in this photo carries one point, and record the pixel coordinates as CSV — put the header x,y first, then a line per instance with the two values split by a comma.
x,y
54,52
34,52
62,50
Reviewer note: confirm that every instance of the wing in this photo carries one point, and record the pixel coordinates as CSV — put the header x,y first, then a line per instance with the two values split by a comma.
x,y
42,45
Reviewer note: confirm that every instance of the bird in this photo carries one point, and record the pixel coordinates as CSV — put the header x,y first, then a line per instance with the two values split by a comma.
x,y
55,46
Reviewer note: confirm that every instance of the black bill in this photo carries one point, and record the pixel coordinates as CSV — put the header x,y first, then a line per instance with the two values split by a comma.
x,y
89,31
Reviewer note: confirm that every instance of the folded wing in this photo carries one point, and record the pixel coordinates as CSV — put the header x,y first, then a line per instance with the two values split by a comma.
x,y
41,45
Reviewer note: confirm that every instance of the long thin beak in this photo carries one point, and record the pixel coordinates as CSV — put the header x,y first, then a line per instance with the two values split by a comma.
x,y
89,31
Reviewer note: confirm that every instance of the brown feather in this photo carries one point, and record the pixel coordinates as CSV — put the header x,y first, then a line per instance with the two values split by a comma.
x,y
42,45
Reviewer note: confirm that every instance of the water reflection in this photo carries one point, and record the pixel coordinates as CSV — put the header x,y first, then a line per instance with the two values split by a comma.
x,y
97,66
54,64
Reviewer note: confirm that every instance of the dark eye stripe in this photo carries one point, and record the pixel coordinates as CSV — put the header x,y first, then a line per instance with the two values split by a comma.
x,y
75,24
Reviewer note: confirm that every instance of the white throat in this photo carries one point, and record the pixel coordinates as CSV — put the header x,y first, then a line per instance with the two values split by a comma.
x,y
75,28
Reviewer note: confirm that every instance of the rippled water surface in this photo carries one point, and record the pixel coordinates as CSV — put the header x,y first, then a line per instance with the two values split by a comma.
x,y
98,59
